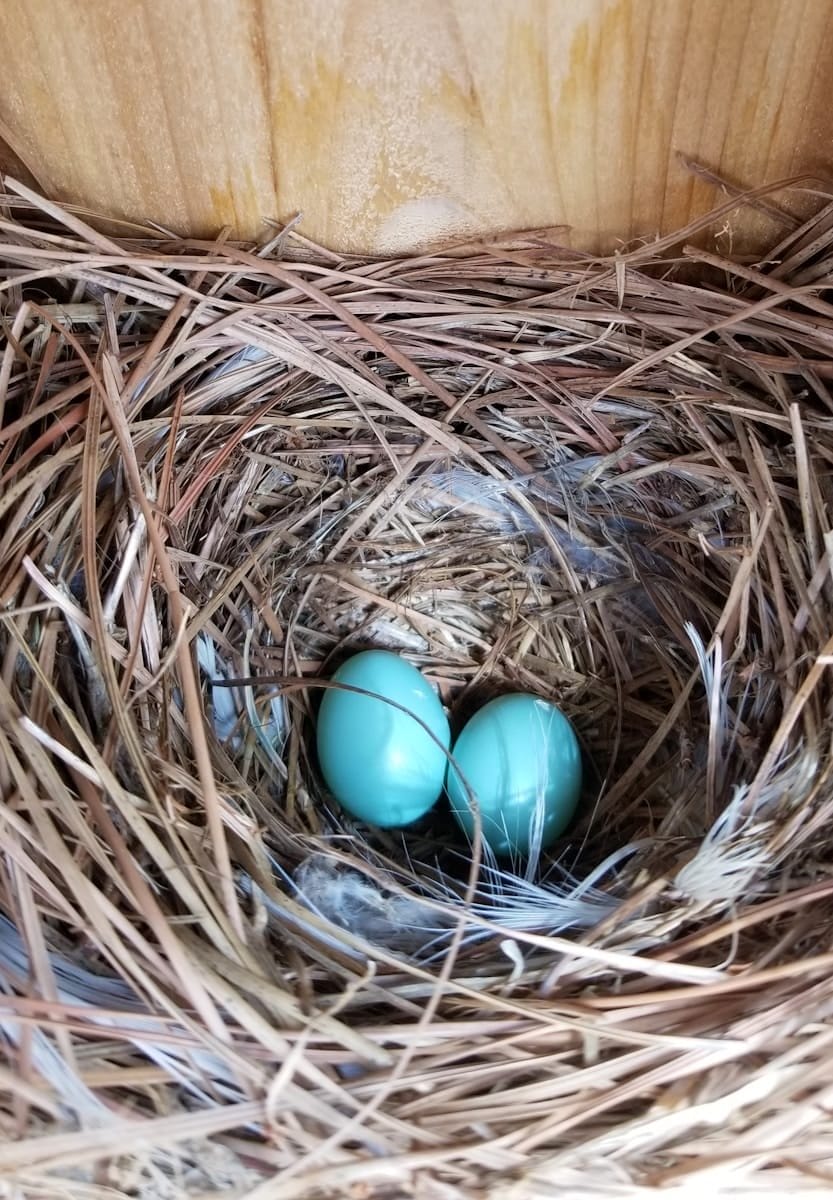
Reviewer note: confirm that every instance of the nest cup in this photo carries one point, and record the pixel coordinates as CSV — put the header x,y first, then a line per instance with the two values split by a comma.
x,y
227,468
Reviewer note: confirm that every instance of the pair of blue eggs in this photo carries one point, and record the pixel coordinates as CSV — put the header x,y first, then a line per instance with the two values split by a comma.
x,y
518,756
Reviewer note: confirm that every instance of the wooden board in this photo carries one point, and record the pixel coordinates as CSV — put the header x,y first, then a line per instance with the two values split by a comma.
x,y
393,125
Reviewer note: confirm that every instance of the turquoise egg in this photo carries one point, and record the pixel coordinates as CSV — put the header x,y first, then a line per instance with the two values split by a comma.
x,y
521,758
379,763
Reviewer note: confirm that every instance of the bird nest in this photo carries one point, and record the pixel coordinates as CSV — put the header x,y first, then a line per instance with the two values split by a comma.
x,y
226,468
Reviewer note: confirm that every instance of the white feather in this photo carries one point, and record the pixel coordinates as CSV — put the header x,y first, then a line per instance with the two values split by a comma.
x,y
492,500
228,704
79,987
383,916
736,850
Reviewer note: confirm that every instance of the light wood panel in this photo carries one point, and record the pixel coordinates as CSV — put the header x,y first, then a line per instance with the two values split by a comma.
x,y
393,124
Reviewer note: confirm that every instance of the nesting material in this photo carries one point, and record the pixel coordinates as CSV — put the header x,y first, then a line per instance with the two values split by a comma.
x,y
226,468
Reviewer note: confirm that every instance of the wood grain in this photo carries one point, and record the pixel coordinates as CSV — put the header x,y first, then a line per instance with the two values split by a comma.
x,y
392,125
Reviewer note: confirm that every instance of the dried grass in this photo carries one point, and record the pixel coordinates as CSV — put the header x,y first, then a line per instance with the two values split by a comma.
x,y
523,469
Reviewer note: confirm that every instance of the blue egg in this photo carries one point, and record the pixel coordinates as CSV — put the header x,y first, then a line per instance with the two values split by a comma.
x,y
521,758
378,761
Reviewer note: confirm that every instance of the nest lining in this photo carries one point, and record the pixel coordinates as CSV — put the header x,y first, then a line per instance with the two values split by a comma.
x,y
524,471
